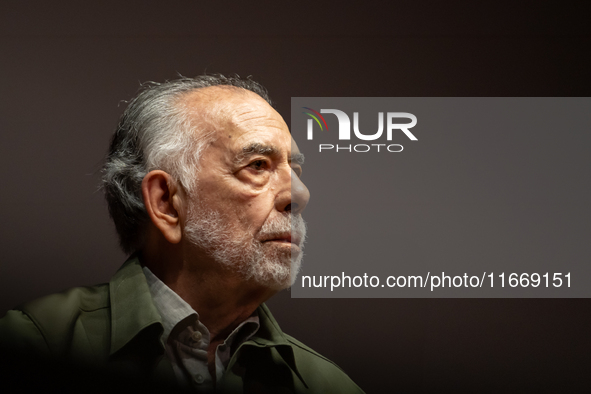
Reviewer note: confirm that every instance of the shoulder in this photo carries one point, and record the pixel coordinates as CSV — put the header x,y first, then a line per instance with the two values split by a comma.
x,y
64,305
48,323
319,371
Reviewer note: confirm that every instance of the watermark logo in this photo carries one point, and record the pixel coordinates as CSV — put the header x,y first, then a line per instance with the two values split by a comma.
x,y
392,122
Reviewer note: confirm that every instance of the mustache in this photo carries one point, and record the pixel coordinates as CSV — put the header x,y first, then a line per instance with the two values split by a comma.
x,y
283,225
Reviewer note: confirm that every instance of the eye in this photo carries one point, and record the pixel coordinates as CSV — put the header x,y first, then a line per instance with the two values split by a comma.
x,y
258,165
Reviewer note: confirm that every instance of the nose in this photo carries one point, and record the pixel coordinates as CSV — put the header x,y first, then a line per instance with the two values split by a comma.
x,y
300,195
295,197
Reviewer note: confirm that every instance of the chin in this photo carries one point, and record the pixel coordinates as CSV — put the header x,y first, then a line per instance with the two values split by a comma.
x,y
277,270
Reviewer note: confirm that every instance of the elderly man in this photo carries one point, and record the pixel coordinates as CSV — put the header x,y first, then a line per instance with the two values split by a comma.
x,y
203,183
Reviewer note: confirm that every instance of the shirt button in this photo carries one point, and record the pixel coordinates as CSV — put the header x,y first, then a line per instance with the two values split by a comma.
x,y
196,336
198,379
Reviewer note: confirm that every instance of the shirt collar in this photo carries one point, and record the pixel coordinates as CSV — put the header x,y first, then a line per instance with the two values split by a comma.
x,y
172,308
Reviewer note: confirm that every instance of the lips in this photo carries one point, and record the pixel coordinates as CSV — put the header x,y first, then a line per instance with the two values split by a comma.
x,y
286,229
286,238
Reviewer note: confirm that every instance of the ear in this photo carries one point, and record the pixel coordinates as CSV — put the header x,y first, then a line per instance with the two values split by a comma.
x,y
162,198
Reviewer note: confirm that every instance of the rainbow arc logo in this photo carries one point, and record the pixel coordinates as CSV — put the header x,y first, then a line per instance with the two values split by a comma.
x,y
316,117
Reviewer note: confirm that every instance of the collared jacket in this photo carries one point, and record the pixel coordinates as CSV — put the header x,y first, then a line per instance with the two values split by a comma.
x,y
115,328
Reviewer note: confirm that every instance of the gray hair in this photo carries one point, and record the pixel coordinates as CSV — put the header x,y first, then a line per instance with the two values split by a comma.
x,y
155,132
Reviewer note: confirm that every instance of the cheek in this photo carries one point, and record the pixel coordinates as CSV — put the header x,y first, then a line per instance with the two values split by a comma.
x,y
255,209
251,206
253,179
245,193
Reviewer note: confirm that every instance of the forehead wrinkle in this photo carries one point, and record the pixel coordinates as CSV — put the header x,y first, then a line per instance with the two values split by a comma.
x,y
218,107
256,119
228,107
260,112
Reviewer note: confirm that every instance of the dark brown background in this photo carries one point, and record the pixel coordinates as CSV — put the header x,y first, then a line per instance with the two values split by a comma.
x,y
66,66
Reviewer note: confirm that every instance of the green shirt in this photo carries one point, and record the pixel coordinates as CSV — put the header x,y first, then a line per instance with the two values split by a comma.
x,y
116,327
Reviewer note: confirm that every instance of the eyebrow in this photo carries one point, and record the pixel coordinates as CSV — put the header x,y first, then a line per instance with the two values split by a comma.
x,y
298,158
257,148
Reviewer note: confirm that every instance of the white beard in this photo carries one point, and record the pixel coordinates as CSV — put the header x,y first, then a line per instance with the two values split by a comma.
x,y
268,264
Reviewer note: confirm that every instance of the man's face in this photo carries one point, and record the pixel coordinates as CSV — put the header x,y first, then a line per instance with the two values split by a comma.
x,y
246,210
